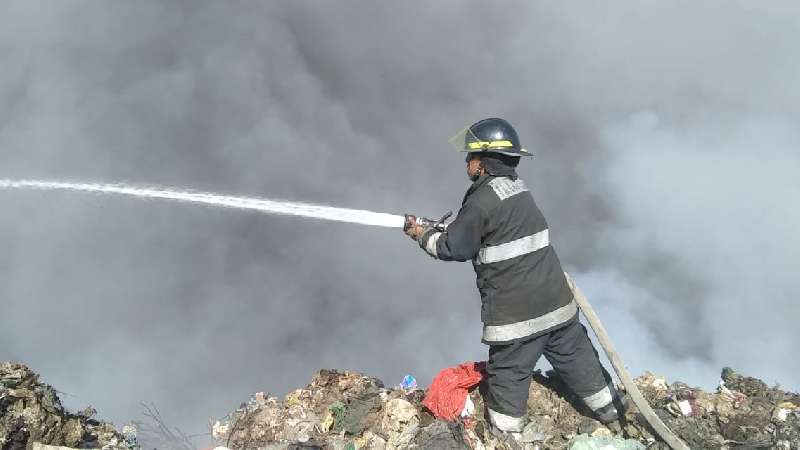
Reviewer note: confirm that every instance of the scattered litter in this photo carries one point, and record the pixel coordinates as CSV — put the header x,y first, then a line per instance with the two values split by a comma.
x,y
409,383
31,412
680,408
130,437
304,446
441,435
400,422
584,442
40,446
533,432
448,393
602,432
784,409
220,430
469,407
653,381
347,410
352,411
357,409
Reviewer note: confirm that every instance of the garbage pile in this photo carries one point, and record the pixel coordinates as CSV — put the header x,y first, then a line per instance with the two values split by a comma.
x,y
351,411
31,412
743,413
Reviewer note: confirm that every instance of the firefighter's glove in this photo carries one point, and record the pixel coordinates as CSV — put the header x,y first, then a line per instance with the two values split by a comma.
x,y
415,231
411,228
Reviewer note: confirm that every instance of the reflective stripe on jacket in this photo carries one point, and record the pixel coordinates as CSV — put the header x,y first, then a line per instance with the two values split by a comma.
x,y
500,228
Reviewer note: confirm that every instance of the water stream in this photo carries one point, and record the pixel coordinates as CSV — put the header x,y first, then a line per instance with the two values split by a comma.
x,y
283,207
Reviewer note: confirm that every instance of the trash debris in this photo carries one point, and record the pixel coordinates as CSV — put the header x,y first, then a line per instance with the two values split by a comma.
x,y
442,435
783,410
400,422
350,411
584,442
469,408
130,437
357,410
680,408
409,383
533,432
448,393
31,412
347,410
17,438
39,446
218,430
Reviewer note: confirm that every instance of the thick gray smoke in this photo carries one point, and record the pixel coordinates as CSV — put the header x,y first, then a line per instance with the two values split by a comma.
x,y
667,153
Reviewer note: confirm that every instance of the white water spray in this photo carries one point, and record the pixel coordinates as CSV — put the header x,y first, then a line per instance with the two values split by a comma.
x,y
259,204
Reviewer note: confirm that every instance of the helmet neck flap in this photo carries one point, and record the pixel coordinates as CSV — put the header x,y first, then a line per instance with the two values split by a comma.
x,y
498,165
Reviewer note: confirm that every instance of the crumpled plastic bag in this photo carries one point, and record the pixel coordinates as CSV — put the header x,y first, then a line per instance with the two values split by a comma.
x,y
448,392
586,442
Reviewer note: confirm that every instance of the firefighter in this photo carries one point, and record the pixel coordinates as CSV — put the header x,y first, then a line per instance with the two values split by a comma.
x,y
527,307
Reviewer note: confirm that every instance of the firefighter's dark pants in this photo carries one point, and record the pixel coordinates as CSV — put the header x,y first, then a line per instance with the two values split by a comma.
x,y
572,355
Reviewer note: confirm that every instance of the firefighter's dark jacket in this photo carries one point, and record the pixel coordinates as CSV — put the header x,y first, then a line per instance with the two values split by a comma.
x,y
500,229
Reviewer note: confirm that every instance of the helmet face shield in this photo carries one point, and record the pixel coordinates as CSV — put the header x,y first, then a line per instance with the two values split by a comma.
x,y
488,135
461,141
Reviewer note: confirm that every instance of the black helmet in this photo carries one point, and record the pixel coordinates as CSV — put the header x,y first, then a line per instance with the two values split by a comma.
x,y
492,135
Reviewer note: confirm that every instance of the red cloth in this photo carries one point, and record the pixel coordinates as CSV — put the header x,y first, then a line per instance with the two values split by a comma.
x,y
447,394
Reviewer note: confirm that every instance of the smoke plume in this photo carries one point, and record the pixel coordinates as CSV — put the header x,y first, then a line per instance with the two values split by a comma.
x,y
666,162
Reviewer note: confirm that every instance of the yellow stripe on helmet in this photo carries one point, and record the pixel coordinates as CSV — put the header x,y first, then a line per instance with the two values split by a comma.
x,y
486,144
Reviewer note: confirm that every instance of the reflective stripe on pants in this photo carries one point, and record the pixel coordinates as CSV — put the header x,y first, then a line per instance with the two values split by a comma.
x,y
569,351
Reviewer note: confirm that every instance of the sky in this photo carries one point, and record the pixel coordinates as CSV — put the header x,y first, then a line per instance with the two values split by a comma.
x,y
666,158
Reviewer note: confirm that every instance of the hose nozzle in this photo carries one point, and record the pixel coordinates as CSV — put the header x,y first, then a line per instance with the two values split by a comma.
x,y
439,224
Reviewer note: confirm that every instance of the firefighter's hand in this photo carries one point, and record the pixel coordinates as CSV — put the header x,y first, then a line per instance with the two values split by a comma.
x,y
415,231
411,228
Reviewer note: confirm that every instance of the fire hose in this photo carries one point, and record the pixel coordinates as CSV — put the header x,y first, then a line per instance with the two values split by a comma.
x,y
658,425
